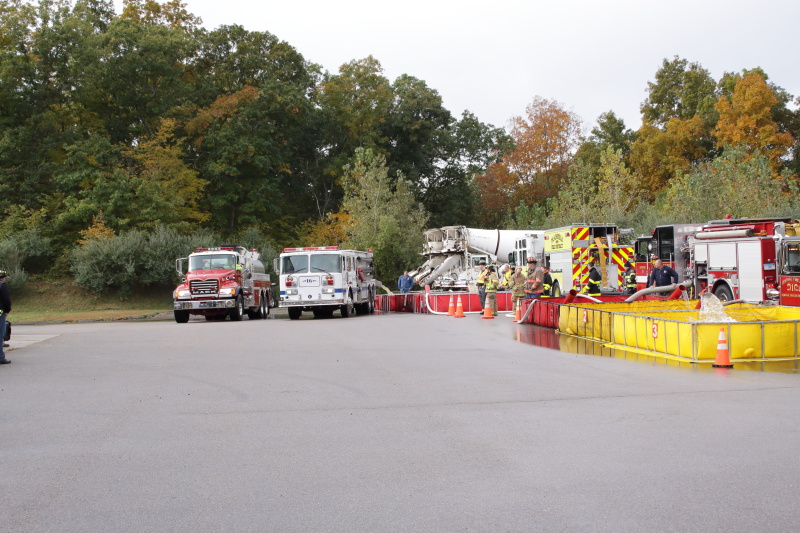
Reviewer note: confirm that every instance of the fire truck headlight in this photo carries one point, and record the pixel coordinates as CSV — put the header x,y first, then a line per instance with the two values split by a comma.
x,y
227,292
291,292
330,290
773,294
182,294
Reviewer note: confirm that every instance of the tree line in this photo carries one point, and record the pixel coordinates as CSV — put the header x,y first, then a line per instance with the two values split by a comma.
x,y
128,138
145,120
706,148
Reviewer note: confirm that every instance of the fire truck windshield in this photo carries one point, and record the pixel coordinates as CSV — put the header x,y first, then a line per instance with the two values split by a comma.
x,y
326,262
292,264
209,261
792,262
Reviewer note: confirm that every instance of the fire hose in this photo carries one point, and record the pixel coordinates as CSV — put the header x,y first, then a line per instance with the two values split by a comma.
x,y
655,290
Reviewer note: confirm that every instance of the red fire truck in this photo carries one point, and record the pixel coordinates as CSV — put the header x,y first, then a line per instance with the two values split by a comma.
x,y
755,260
220,282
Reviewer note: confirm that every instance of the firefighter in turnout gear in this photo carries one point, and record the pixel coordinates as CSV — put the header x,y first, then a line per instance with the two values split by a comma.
x,y
595,278
534,284
492,283
547,282
630,278
481,285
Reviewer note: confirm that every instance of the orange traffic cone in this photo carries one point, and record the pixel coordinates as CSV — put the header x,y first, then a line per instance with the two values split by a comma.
x,y
459,309
518,312
451,309
487,310
722,360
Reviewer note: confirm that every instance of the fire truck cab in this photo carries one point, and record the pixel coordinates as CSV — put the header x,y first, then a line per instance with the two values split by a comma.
x,y
668,243
788,290
220,282
323,279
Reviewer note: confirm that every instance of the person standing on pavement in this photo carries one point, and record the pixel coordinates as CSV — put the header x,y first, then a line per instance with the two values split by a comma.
x,y
492,283
662,275
5,308
630,278
547,282
595,278
517,286
481,285
534,281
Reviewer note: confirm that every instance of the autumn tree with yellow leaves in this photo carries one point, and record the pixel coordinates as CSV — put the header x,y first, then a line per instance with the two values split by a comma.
x,y
746,119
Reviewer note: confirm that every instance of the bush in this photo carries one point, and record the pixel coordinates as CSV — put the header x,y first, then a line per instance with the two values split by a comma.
x,y
20,249
133,259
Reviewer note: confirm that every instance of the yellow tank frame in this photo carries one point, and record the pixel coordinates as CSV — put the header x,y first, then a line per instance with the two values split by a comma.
x,y
669,329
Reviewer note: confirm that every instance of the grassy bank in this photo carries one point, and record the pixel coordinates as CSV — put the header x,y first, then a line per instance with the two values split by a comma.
x,y
64,301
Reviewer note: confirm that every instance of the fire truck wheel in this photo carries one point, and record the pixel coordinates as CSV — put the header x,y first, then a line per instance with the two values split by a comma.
x,y
347,309
371,303
181,317
238,311
723,292
294,313
264,305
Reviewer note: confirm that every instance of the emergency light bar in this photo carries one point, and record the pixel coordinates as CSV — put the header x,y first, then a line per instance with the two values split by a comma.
x,y
310,248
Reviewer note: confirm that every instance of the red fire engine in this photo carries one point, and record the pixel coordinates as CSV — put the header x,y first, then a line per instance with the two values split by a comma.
x,y
755,260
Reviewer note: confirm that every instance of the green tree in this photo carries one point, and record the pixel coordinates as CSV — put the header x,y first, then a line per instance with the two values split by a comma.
x,y
618,189
246,145
681,90
610,132
383,214
737,183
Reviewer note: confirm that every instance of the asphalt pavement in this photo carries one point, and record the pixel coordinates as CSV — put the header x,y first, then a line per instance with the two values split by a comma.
x,y
397,422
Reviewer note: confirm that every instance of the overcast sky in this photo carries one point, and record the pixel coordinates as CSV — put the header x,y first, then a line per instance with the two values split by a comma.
x,y
493,57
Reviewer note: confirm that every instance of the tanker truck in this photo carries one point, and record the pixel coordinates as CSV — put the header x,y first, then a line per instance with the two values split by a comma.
x,y
453,254
228,281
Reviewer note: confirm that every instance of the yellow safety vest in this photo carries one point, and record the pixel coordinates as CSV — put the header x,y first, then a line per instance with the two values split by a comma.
x,y
492,282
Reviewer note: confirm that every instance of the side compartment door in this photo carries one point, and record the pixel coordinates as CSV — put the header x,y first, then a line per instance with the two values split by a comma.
x,y
751,271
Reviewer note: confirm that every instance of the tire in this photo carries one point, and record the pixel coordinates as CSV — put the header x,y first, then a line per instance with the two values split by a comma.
x,y
723,292
181,317
237,313
371,303
294,313
264,304
347,308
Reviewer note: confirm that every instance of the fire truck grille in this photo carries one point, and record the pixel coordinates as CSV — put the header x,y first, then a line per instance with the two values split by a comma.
x,y
200,287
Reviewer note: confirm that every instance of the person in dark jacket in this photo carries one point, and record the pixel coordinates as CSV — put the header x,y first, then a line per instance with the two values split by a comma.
x,y
595,278
5,308
630,278
547,282
662,275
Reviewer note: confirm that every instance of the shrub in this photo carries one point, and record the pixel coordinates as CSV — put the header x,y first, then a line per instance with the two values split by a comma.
x,y
133,259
